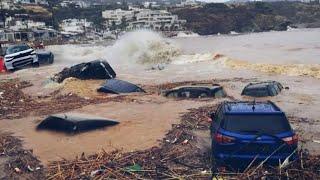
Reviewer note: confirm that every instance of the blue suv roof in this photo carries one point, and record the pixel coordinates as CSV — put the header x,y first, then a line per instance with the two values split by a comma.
x,y
251,107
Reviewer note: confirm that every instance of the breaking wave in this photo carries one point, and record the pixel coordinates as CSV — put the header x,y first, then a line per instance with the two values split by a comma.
x,y
187,34
193,58
145,47
137,47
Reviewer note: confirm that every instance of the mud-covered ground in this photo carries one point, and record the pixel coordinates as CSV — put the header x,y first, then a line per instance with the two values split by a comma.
x,y
17,162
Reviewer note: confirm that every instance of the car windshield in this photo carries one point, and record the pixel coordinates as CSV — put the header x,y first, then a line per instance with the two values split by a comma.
x,y
267,123
18,48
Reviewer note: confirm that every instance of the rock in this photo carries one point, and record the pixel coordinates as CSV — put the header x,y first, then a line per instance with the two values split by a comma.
x,y
17,170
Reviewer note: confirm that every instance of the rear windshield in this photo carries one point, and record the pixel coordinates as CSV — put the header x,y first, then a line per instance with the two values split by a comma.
x,y
18,48
220,93
270,124
257,92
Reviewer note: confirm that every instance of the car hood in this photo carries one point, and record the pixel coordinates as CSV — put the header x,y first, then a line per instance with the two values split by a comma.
x,y
17,53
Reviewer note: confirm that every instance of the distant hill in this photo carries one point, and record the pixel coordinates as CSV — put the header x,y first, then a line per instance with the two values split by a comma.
x,y
249,17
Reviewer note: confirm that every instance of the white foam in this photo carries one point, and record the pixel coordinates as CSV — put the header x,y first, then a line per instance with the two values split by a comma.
x,y
191,34
142,46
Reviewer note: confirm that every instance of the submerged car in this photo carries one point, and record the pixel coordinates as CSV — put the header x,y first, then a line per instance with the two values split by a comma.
x,y
74,123
96,69
44,56
262,89
196,91
17,56
246,132
117,86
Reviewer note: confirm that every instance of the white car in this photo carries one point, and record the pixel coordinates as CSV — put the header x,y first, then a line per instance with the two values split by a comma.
x,y
20,55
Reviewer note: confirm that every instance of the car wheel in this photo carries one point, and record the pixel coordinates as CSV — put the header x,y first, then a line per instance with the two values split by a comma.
x,y
10,70
51,59
36,64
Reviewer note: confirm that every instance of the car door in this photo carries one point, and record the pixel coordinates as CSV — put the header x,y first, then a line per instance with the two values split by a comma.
x,y
216,120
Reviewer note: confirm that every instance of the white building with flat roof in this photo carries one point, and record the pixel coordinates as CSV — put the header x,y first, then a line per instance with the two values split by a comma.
x,y
43,2
144,19
188,3
79,4
151,4
115,16
6,4
75,25
17,24
157,20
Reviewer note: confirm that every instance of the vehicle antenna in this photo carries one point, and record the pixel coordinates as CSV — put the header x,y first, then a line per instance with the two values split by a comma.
x,y
254,103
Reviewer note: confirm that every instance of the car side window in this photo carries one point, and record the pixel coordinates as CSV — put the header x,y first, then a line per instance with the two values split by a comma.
x,y
173,94
272,90
183,92
220,93
218,117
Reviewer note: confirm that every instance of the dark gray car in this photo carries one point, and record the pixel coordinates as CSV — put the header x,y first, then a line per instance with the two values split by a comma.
x,y
196,91
262,89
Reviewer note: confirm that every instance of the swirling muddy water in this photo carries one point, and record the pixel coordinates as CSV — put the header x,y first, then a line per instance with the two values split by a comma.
x,y
290,57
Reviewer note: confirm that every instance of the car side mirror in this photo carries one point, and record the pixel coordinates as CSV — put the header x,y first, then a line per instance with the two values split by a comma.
x,y
212,115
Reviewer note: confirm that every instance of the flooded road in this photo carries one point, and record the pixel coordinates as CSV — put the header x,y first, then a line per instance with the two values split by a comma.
x,y
141,126
291,58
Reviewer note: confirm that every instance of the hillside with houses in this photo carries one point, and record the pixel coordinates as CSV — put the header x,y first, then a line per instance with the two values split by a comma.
x,y
73,21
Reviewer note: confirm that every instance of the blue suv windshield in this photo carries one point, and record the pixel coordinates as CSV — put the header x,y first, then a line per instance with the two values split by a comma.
x,y
267,123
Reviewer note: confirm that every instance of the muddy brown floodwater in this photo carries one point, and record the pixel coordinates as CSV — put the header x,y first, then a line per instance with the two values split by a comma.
x,y
141,125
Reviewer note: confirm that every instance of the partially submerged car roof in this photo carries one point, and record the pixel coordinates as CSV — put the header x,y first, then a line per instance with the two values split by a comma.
x,y
195,91
72,123
262,89
117,86
247,107
210,86
97,69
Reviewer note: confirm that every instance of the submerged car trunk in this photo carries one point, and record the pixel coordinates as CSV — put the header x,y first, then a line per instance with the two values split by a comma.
x,y
117,86
71,123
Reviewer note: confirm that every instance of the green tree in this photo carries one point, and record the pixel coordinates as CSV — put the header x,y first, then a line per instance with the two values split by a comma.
x,y
123,24
113,26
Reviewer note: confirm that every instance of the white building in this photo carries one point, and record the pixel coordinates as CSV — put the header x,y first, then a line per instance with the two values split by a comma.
x,y
6,4
79,4
17,24
188,3
75,25
143,19
42,2
157,20
152,4
115,16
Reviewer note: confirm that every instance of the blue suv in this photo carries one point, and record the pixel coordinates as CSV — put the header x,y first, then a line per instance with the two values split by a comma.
x,y
251,132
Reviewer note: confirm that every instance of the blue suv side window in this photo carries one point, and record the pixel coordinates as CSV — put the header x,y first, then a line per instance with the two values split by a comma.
x,y
218,118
